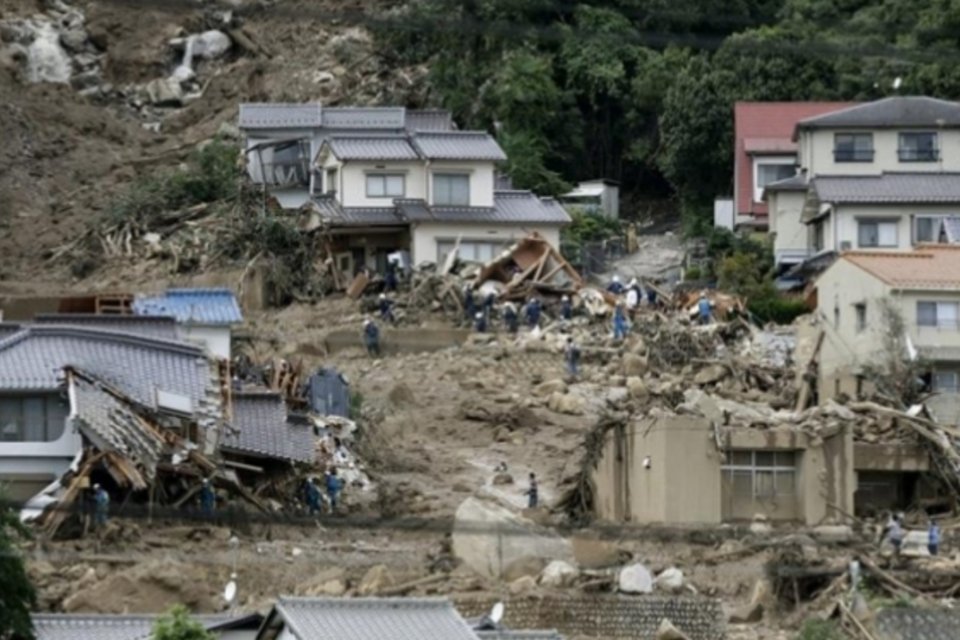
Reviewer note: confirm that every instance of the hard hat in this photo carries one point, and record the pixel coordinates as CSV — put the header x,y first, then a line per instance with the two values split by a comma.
x,y
616,278
633,282
565,298
96,485
383,296
479,315
367,321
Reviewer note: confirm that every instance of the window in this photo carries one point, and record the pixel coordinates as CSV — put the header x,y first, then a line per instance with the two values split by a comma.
x,y
928,229
946,381
331,186
761,474
768,171
918,147
877,233
38,418
451,189
385,185
860,310
480,251
819,231
943,315
853,147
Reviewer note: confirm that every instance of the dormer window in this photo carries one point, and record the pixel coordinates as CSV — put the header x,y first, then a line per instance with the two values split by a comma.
x,y
918,146
853,147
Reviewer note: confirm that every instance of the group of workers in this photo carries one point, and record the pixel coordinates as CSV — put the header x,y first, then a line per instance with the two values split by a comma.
x,y
893,532
333,484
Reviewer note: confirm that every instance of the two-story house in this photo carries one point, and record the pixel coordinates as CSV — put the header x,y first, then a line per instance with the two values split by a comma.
x,y
382,180
923,288
884,176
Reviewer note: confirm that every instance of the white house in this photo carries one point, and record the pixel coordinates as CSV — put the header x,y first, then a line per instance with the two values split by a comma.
x,y
882,176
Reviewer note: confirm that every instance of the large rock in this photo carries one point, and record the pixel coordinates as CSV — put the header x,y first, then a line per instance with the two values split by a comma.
x,y
522,585
558,574
670,579
915,544
211,44
747,613
375,580
666,631
636,387
73,40
524,567
635,578
165,92
568,403
550,387
634,364
711,374
331,582
487,537
593,553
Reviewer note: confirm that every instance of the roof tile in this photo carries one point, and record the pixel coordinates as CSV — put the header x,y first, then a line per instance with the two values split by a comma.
x,y
163,327
202,306
930,267
260,428
889,188
458,145
371,148
895,111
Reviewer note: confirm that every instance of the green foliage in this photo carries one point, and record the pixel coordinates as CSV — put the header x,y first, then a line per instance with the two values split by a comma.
x,y
820,630
693,273
775,308
588,227
745,267
178,625
356,405
17,595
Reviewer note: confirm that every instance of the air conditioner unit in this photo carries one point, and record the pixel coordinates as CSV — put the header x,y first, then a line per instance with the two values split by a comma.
x,y
845,245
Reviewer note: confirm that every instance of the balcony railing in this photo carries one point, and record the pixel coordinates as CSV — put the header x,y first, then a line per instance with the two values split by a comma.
x,y
918,155
853,155
286,174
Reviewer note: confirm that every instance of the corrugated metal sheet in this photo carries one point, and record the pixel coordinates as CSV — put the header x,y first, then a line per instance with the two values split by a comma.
x,y
373,619
370,148
260,428
202,306
270,115
162,327
889,188
364,117
458,145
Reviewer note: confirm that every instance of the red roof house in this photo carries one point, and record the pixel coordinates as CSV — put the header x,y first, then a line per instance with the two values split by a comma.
x,y
765,150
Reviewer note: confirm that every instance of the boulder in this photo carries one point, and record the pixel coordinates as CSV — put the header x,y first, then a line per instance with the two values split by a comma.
x,y
331,582
670,579
503,478
521,567
636,387
550,387
833,533
558,574
374,580
593,553
634,364
711,374
523,584
488,537
73,40
666,631
915,544
566,403
747,613
165,92
211,44
635,578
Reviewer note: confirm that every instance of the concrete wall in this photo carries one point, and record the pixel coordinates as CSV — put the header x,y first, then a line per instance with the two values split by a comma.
x,y
425,236
215,339
817,153
889,457
790,234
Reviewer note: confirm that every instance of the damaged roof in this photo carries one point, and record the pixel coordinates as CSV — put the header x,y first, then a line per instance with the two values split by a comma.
x,y
163,327
33,360
260,428
889,188
372,619
371,148
216,306
930,267
56,626
895,111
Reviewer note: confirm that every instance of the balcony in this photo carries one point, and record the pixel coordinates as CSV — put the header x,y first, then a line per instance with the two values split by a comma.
x,y
853,155
918,155
286,174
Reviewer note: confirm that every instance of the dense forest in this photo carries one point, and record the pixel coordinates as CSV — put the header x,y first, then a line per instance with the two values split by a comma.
x,y
642,90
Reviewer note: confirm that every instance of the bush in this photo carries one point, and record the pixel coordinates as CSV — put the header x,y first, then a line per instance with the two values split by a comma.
x,y
589,227
693,273
178,625
777,309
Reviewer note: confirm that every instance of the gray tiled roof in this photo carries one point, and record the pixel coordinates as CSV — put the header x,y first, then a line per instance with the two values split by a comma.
x,y
163,327
458,145
331,211
364,117
52,626
908,623
889,188
413,209
793,183
371,148
7,329
429,120
279,115
34,358
537,634
373,619
260,428
897,111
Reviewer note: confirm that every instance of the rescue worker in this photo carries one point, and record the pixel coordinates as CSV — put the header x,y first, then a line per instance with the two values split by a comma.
x,y
313,496
488,301
651,296
533,493
533,312
208,499
334,486
480,322
933,537
571,355
371,338
510,317
615,287
101,505
704,309
566,308
386,309
895,533
633,295
390,277
469,307
619,322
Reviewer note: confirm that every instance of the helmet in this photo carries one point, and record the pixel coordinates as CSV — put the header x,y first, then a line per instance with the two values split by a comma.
x,y
479,315
383,296
367,321
616,278
565,298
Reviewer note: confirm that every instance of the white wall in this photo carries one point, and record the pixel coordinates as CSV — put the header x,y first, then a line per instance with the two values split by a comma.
x,y
423,245
216,339
354,181
848,215
818,154
790,234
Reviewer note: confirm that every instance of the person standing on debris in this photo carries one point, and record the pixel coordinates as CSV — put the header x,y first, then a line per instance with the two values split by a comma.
x,y
480,322
651,296
566,308
386,309
571,354
619,322
895,533
469,307
533,312
488,301
313,496
208,499
933,537
334,485
101,505
704,309
390,277
615,287
633,295
533,493
371,337
510,317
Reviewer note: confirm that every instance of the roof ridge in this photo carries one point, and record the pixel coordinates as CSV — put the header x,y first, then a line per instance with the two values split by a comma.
x,y
184,348
124,317
367,600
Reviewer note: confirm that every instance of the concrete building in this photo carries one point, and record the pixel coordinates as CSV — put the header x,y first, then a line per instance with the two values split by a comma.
x,y
923,287
203,316
882,176
669,470
595,197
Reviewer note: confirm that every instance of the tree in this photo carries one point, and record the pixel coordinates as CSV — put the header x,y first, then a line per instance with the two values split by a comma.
x,y
17,595
178,625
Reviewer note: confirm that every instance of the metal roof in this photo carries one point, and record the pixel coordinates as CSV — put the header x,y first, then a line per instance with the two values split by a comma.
x,y
336,215
52,626
907,188
364,117
373,619
279,115
371,148
163,327
200,306
458,145
896,111
260,428
33,360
